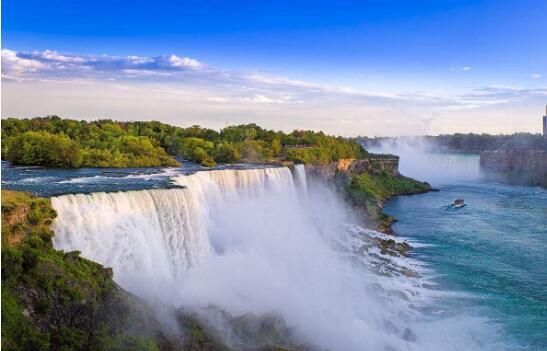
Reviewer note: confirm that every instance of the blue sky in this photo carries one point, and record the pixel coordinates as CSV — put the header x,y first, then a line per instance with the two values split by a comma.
x,y
364,67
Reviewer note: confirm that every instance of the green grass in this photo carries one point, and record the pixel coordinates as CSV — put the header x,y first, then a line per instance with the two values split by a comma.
x,y
371,190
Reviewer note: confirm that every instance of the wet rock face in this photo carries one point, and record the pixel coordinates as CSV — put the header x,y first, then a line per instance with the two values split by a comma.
x,y
510,160
525,167
216,329
394,248
373,164
323,172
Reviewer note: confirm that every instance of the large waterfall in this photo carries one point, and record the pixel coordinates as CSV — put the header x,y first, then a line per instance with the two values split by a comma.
x,y
158,234
255,241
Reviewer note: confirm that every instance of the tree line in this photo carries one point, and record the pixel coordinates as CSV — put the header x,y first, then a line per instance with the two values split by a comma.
x,y
56,142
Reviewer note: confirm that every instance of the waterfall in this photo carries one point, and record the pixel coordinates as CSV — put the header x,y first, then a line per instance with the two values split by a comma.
x,y
247,241
157,234
300,177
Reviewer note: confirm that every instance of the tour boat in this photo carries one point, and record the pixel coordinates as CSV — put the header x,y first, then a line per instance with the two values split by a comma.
x,y
458,203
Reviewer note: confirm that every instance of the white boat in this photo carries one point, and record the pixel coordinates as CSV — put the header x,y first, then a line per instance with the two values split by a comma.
x,y
458,203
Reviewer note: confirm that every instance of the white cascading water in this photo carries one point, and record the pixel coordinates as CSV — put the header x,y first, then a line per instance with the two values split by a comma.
x,y
247,241
122,231
156,232
300,177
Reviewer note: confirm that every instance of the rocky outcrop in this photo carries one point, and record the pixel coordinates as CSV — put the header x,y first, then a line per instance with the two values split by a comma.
x,y
367,184
525,167
345,167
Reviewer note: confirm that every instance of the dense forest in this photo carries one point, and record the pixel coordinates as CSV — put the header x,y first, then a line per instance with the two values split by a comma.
x,y
471,143
57,142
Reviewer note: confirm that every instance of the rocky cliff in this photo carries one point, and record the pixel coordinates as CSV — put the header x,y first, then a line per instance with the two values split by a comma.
x,y
375,164
525,167
367,184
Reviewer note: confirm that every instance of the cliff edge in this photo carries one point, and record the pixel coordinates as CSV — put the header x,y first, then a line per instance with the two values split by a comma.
x,y
521,167
367,184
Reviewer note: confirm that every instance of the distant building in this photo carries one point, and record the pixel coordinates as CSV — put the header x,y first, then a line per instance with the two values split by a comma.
x,y
545,122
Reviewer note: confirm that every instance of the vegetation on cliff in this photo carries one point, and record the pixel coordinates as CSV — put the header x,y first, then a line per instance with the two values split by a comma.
x,y
53,300
370,190
57,142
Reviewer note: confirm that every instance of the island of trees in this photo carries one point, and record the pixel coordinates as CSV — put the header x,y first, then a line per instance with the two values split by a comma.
x,y
56,142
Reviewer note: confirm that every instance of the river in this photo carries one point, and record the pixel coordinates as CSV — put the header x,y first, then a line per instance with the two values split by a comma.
x,y
492,253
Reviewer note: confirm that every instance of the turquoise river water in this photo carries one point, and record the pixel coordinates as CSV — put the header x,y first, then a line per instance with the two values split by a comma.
x,y
492,253
494,249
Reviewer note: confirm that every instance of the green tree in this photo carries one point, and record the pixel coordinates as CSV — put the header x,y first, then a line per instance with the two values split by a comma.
x,y
225,152
107,143
43,149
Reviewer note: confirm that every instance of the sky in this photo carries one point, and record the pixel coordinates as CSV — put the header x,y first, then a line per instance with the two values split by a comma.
x,y
374,68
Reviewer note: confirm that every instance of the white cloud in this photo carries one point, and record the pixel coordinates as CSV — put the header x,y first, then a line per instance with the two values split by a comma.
x,y
50,64
182,90
262,99
532,75
55,57
184,62
461,69
493,95
13,66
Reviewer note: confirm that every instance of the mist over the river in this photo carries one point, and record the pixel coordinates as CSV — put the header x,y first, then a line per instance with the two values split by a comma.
x,y
426,161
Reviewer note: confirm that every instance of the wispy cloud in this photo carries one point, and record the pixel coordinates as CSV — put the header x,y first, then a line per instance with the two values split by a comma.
x,y
532,75
461,69
180,89
38,64
493,95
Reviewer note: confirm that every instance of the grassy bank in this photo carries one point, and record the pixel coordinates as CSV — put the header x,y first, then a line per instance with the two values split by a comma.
x,y
370,191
